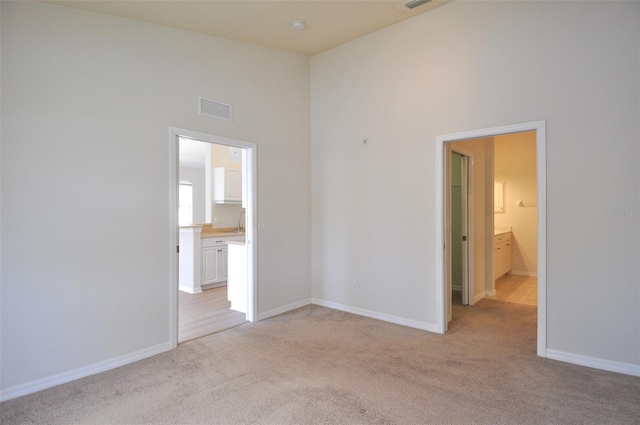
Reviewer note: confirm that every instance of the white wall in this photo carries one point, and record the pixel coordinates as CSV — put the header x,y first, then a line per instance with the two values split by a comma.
x,y
87,101
515,164
196,177
223,215
472,65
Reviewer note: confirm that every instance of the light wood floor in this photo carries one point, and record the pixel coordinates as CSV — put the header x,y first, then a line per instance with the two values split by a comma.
x,y
206,313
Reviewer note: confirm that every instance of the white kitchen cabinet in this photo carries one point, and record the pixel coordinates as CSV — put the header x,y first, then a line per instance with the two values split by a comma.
x,y
215,265
215,254
501,254
227,186
214,262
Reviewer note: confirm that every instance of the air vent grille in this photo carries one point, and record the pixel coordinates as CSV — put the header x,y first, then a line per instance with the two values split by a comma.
x,y
415,3
213,108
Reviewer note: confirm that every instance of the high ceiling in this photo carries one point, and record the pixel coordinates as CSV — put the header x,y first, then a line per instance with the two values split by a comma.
x,y
192,153
266,22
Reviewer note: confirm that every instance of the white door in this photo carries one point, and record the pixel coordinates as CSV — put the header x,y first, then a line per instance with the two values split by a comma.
x,y
459,225
457,255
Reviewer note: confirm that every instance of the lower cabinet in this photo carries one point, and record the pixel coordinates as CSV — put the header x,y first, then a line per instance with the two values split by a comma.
x,y
501,254
214,263
215,254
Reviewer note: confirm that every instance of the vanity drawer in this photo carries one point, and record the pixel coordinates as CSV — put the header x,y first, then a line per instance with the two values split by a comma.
x,y
502,237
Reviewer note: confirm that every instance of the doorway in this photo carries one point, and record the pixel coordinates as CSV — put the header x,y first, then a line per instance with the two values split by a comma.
x,y
222,221
485,246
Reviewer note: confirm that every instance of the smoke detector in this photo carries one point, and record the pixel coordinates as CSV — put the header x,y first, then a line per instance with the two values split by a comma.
x,y
298,25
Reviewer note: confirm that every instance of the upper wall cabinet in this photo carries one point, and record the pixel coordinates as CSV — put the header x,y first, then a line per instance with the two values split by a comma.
x,y
227,186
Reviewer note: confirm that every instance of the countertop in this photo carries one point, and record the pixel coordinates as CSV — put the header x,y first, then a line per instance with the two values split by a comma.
x,y
210,232
499,230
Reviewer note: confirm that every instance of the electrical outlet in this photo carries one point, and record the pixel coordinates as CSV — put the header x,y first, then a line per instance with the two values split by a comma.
x,y
357,282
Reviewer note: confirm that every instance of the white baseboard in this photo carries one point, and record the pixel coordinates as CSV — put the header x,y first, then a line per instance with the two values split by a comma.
x,y
375,315
189,290
283,309
523,273
72,375
212,285
593,362
491,293
480,296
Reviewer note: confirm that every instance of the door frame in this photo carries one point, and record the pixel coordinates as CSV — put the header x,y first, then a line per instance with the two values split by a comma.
x,y
541,164
250,219
467,281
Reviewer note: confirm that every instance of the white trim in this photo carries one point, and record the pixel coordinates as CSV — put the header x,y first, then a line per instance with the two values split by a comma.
x,y
541,161
72,375
174,236
375,315
189,290
480,296
251,220
522,273
540,128
283,309
595,363
441,285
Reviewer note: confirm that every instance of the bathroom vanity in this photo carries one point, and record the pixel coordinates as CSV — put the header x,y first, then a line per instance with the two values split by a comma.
x,y
501,252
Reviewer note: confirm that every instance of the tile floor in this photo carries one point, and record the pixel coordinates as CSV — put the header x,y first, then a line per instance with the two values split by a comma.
x,y
512,289
517,289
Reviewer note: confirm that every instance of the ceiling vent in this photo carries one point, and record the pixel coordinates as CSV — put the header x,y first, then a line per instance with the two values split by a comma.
x,y
415,3
213,108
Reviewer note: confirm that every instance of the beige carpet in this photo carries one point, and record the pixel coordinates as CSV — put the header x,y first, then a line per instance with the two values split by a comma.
x,y
321,366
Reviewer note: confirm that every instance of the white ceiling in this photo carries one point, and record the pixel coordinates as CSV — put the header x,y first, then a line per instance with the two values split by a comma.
x,y
266,22
192,153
